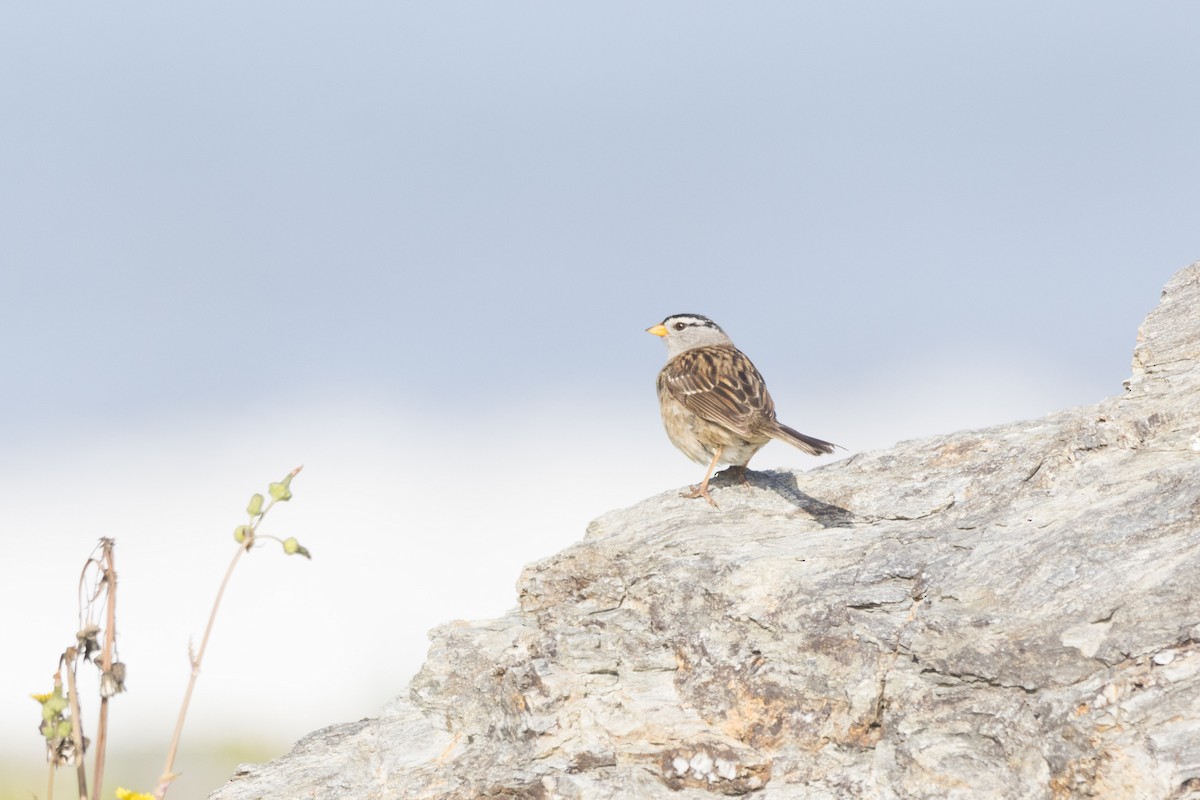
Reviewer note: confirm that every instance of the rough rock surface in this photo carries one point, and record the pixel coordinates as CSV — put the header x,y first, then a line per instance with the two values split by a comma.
x,y
1002,613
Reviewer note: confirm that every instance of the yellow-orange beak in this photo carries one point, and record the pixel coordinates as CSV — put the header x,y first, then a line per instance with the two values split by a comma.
x,y
658,330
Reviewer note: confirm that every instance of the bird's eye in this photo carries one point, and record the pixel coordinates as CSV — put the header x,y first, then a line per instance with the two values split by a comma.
x,y
679,326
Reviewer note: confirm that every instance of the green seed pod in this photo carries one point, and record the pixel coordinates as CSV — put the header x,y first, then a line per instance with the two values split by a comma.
x,y
292,548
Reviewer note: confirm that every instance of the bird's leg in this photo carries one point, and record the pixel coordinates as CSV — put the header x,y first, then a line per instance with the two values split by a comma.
x,y
702,489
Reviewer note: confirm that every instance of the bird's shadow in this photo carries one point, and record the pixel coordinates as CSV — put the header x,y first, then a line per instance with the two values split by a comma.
x,y
784,484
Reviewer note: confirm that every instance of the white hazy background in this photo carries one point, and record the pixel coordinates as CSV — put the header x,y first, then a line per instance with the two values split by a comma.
x,y
414,247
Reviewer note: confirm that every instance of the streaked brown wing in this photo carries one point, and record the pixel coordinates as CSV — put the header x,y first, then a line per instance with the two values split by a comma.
x,y
721,385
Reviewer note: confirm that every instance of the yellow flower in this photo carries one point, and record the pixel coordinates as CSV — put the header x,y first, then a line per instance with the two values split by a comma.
x,y
125,794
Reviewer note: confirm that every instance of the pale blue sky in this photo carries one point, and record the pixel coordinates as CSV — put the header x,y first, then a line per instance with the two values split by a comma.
x,y
415,246
375,189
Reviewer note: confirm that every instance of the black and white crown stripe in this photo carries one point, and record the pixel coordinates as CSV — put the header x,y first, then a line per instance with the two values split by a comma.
x,y
678,322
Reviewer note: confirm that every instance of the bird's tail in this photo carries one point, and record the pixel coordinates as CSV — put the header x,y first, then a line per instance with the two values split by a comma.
x,y
806,443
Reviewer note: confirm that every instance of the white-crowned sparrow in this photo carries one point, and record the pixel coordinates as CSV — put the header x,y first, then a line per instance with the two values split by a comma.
x,y
714,404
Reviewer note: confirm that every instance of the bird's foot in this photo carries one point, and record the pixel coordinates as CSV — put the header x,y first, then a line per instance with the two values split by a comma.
x,y
700,491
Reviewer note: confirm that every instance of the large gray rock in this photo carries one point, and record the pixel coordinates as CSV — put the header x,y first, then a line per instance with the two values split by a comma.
x,y
1002,613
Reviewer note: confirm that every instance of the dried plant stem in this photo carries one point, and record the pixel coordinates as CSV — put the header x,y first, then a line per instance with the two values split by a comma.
x,y
72,656
106,663
168,775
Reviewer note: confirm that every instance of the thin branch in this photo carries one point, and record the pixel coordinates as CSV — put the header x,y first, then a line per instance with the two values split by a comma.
x,y
168,775
106,664
86,605
72,656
